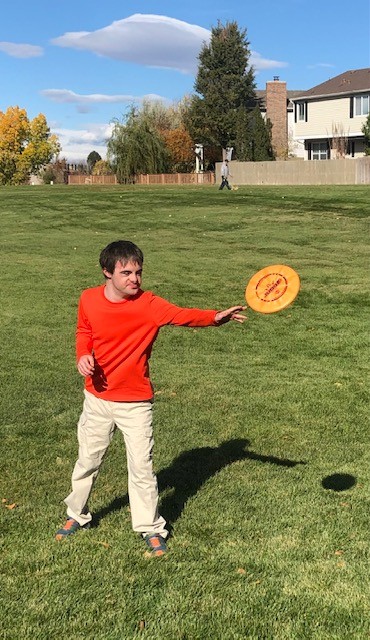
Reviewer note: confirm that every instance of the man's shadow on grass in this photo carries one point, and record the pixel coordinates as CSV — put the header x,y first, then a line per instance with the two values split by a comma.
x,y
190,470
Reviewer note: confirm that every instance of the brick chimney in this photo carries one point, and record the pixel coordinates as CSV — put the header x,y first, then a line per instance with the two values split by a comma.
x,y
276,112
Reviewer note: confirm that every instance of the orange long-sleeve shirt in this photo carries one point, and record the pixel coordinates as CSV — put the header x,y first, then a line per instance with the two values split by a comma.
x,y
120,335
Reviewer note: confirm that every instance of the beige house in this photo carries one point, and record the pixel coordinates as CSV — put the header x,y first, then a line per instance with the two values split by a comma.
x,y
328,118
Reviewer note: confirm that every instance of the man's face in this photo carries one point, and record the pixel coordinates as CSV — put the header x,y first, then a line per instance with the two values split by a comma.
x,y
125,281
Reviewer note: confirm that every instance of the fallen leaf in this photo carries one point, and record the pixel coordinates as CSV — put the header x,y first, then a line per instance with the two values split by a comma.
x,y
11,506
142,625
241,571
338,384
344,504
3,500
104,544
338,553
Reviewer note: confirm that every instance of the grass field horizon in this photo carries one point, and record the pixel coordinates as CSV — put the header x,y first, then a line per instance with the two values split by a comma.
x,y
261,429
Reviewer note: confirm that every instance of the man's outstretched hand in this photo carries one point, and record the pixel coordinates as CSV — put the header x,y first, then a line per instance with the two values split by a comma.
x,y
230,314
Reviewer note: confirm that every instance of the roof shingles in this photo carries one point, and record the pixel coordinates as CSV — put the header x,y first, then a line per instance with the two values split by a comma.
x,y
354,81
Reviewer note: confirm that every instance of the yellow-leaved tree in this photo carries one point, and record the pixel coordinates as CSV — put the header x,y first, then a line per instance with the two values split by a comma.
x,y
25,146
102,168
181,148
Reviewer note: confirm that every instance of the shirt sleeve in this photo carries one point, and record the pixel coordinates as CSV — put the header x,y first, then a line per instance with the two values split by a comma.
x,y
164,312
83,333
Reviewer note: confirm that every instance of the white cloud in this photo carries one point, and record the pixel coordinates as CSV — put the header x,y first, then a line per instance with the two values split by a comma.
x,y
64,96
21,50
151,40
324,65
78,143
261,64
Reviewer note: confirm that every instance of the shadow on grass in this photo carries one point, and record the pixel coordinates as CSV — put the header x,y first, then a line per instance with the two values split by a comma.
x,y
190,470
339,482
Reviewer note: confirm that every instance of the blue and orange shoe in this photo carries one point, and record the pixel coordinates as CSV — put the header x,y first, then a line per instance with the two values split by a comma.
x,y
70,527
156,544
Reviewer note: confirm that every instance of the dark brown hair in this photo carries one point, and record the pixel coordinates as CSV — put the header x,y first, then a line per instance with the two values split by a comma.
x,y
120,251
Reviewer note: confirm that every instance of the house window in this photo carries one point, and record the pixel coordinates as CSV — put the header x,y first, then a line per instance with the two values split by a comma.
x,y
362,105
301,111
319,151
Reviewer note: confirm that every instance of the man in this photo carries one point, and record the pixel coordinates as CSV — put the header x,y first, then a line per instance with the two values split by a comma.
x,y
117,325
225,172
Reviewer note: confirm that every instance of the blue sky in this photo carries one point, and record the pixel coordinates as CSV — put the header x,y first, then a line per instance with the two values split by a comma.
x,y
83,63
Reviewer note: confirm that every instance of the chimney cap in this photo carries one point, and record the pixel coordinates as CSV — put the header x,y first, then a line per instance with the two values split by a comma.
x,y
276,78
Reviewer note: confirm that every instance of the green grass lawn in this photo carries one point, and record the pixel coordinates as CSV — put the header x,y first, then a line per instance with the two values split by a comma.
x,y
262,438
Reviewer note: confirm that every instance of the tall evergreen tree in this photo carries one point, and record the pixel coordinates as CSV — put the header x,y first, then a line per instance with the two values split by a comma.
x,y
225,92
263,138
224,85
243,136
259,136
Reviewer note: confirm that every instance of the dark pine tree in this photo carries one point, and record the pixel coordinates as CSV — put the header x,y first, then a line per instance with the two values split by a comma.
x,y
92,159
225,93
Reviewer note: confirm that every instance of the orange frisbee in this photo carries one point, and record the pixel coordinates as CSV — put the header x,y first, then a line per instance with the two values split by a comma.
x,y
272,289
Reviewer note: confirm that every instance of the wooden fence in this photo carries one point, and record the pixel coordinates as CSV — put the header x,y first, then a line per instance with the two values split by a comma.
x,y
176,178
151,179
75,178
299,172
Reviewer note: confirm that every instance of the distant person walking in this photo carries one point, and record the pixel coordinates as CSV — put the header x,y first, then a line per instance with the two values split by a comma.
x,y
225,172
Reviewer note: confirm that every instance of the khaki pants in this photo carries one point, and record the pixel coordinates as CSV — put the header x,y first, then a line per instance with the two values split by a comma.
x,y
96,426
